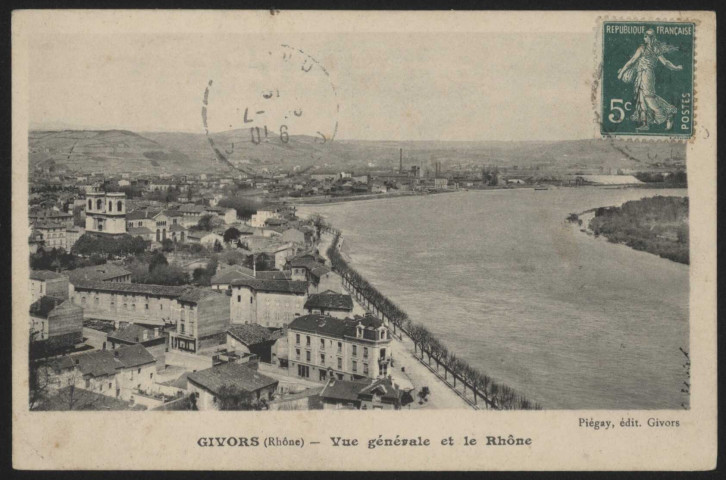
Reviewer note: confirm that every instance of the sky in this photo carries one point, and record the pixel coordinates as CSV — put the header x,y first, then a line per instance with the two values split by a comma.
x,y
363,86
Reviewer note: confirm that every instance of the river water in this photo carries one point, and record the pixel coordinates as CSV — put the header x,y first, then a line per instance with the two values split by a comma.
x,y
571,321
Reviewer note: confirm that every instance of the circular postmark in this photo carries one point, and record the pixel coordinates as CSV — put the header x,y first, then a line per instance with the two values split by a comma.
x,y
284,96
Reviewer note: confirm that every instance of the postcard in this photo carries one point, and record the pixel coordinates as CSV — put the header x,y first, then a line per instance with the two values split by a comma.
x,y
316,240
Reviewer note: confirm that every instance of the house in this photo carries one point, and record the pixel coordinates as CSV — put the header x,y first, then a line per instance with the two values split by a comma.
x,y
201,316
210,386
72,236
45,282
152,339
364,394
308,267
57,322
208,239
224,277
320,346
50,235
293,235
330,303
270,303
253,339
116,373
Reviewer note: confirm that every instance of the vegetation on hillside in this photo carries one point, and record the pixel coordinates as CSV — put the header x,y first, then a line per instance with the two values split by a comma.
x,y
124,245
657,225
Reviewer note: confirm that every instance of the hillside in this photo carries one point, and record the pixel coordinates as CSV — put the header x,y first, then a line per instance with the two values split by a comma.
x,y
153,152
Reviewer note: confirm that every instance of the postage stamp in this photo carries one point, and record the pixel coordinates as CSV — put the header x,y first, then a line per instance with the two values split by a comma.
x,y
647,79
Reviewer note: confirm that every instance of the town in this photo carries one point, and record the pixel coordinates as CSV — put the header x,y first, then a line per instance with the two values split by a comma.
x,y
207,291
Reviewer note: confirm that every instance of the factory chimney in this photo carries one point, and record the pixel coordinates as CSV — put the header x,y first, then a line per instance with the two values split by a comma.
x,y
400,160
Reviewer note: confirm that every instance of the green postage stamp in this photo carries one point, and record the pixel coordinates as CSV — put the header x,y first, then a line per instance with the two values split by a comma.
x,y
647,79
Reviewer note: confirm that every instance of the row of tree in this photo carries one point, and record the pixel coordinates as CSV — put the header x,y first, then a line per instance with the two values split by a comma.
x,y
496,395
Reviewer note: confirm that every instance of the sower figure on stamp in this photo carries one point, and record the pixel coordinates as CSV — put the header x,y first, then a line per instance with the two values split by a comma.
x,y
640,70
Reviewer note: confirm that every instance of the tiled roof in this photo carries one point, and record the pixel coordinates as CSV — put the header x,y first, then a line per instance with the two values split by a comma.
x,y
384,387
45,275
234,272
251,334
273,275
173,213
319,271
133,333
330,301
336,327
194,295
176,228
134,356
279,286
107,271
345,390
142,214
131,288
233,375
99,363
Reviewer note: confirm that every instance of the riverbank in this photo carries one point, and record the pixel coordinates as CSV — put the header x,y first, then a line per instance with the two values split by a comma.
x,y
657,225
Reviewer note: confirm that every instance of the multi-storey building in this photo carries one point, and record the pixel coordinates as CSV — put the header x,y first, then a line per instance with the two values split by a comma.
x,y
57,322
127,302
270,303
45,282
201,316
321,347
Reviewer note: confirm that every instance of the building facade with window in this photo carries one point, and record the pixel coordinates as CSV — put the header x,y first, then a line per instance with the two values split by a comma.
x,y
322,347
127,302
106,213
201,316
270,303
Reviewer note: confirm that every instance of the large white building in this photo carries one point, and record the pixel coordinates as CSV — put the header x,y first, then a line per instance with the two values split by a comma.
x,y
106,213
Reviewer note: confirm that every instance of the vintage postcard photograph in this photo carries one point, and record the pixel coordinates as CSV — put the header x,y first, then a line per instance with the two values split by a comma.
x,y
277,240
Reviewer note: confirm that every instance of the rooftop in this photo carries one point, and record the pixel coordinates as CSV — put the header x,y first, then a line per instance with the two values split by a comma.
x,y
251,334
131,288
231,375
226,276
278,286
99,363
346,390
45,275
44,305
330,300
107,271
336,327
133,333
195,294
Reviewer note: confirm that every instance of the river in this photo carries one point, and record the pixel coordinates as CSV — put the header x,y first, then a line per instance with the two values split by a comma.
x,y
571,321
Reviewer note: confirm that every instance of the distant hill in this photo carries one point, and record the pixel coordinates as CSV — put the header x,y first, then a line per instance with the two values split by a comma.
x,y
116,151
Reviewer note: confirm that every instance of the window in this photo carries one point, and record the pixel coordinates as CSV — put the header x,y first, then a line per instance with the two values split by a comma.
x,y
239,298
355,366
322,344
99,204
307,356
297,338
250,300
340,347
297,353
340,363
119,206
365,352
151,375
139,370
90,204
365,368
182,328
147,306
110,206
322,359
307,340
109,385
355,350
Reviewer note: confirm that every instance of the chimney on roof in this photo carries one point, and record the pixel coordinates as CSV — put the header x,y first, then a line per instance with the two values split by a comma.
x,y
146,335
156,331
